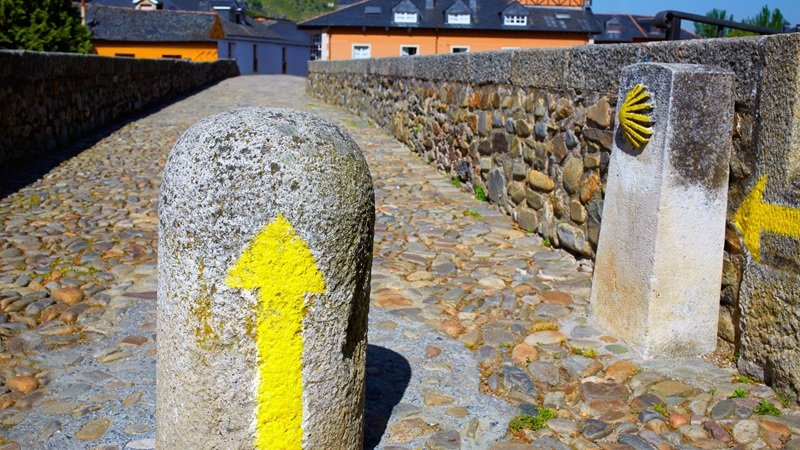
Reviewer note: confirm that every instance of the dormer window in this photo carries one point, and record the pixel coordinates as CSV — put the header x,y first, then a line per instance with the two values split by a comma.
x,y
458,19
613,26
147,5
517,21
405,17
405,12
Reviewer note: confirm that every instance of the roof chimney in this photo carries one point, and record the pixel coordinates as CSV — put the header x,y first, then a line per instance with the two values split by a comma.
x,y
429,4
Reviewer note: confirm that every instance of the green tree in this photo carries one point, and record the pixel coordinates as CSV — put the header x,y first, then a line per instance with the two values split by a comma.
x,y
290,9
43,25
765,18
710,31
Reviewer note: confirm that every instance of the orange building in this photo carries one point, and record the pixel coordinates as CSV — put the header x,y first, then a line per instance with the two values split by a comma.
x,y
384,28
154,34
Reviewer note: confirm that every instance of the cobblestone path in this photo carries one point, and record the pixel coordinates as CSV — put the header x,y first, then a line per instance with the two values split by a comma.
x,y
473,321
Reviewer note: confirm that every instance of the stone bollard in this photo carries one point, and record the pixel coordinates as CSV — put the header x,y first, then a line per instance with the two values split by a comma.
x,y
264,256
659,257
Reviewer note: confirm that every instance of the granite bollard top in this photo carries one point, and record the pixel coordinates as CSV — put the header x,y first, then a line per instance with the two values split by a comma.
x,y
653,285
265,239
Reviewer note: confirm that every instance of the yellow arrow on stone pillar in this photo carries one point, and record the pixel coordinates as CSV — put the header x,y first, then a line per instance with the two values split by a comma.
x,y
279,264
755,216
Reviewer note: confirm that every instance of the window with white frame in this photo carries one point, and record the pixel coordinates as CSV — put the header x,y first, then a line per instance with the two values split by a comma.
x,y
458,19
459,49
409,50
361,51
405,17
517,21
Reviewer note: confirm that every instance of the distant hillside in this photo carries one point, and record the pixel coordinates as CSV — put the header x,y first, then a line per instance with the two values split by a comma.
x,y
290,9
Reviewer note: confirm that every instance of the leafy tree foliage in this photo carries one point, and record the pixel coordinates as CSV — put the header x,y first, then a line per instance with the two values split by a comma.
x,y
765,18
43,25
769,18
710,31
290,9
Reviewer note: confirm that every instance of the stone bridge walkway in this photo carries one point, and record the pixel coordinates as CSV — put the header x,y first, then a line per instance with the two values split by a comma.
x,y
473,321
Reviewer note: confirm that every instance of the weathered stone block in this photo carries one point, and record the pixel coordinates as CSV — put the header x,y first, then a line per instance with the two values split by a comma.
x,y
591,161
558,148
577,212
573,239
265,241
519,171
540,181
499,142
540,130
599,113
602,137
485,164
533,199
571,175
497,185
516,192
652,286
523,128
527,219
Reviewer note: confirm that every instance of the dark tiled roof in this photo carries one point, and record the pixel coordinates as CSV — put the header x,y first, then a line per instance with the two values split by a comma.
x,y
177,5
632,28
118,3
487,16
458,8
127,24
288,31
515,9
249,29
406,6
187,5
123,24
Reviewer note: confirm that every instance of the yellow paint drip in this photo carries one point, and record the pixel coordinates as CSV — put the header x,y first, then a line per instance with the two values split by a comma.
x,y
755,216
200,310
280,265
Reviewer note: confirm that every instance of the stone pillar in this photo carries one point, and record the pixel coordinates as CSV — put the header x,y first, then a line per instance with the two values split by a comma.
x,y
265,241
659,257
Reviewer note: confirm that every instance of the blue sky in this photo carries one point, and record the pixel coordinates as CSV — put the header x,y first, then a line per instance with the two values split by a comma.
x,y
740,9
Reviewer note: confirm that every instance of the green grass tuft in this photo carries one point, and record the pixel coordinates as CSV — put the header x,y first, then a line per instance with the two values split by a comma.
x,y
786,400
739,393
587,352
661,409
744,379
480,194
473,213
533,423
766,408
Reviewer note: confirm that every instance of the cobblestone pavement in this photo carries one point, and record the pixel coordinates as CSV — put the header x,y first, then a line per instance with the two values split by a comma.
x,y
473,321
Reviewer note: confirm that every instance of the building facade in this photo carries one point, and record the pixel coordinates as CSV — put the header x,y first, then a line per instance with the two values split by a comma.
x,y
126,32
199,30
385,28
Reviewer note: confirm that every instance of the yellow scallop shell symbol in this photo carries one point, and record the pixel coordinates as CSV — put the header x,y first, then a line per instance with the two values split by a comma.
x,y
633,116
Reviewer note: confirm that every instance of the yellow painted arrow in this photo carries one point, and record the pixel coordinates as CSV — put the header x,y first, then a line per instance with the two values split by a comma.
x,y
279,264
755,216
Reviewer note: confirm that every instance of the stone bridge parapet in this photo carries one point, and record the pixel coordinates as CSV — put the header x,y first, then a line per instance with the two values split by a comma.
x,y
48,100
533,129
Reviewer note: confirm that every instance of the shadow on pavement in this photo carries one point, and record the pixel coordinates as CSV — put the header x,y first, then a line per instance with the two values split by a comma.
x,y
388,375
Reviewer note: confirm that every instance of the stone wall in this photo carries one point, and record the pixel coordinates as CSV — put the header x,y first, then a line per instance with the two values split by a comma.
x,y
534,128
48,100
